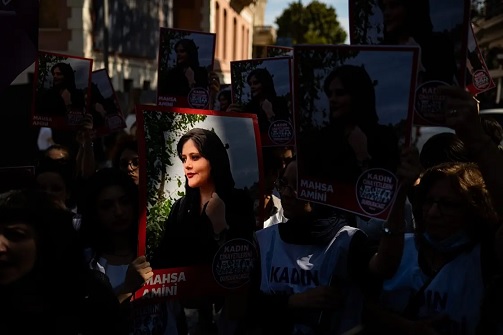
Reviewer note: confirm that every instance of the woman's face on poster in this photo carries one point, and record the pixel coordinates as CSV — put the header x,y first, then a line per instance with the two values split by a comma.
x,y
339,99
394,15
57,77
182,55
255,87
197,169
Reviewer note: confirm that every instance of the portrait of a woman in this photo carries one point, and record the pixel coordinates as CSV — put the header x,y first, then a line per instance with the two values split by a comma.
x,y
408,22
63,97
264,102
186,74
353,140
212,210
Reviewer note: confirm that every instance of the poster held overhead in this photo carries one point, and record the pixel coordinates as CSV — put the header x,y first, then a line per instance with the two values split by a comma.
x,y
185,61
350,121
439,28
194,165
61,91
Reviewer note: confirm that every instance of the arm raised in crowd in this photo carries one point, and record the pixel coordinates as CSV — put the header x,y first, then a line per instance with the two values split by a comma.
x,y
389,253
85,162
462,116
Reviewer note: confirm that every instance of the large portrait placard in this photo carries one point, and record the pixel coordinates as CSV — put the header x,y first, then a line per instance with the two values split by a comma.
x,y
61,90
354,112
439,28
185,60
176,234
104,106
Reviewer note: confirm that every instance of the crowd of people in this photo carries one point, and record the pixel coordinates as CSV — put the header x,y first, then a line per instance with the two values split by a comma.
x,y
69,232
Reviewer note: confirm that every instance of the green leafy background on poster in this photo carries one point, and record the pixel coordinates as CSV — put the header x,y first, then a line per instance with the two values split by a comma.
x,y
363,10
162,132
312,68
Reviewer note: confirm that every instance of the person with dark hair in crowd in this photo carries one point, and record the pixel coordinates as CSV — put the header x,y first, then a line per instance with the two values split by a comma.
x,y
125,156
36,241
443,148
109,231
493,129
265,102
224,100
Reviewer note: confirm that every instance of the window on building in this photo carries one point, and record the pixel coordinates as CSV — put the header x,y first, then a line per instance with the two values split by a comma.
x,y
247,42
243,39
234,39
48,14
224,39
146,85
217,29
128,85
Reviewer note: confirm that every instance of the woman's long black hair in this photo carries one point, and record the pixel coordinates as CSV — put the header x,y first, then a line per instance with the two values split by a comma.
x,y
68,74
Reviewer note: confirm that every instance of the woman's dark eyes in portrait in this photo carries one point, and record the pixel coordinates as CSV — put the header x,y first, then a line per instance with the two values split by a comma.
x,y
193,157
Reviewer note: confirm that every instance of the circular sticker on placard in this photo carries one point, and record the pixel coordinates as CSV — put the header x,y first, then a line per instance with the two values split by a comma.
x,y
233,263
198,98
74,118
375,190
481,79
281,132
429,103
115,122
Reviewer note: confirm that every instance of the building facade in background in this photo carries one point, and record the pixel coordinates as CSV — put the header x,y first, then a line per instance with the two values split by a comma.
x,y
131,32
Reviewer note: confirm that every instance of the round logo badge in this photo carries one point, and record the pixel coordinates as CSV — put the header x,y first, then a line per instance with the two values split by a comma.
x,y
74,118
375,190
233,263
429,103
481,79
198,98
115,122
281,132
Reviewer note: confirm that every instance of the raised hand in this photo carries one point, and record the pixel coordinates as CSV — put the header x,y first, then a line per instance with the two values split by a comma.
x,y
190,75
138,272
358,142
235,108
266,106
410,167
215,210
462,113
67,97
